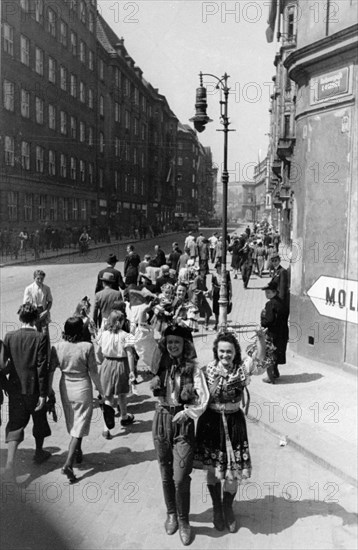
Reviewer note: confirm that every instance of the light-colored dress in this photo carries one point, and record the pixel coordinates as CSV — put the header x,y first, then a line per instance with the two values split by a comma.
x,y
78,366
114,371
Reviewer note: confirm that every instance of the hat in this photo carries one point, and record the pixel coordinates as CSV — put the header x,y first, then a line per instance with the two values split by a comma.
x,y
112,259
176,330
272,285
108,277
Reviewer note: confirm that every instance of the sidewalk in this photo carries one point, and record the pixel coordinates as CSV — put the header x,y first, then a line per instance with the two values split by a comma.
x,y
312,406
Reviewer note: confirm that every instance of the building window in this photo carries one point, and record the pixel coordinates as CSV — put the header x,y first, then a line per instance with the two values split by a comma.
x,y
82,92
117,77
101,142
39,159
101,105
90,60
63,33
127,120
126,86
24,5
100,177
90,172
143,104
101,69
180,161
117,147
73,43
116,180
52,163
63,122
52,117
135,186
39,11
53,209
51,22
83,12
25,155
8,91
82,51
135,156
73,168
63,165
73,127
39,110
90,22
73,5
8,33
136,96
63,78
126,183
143,132
136,124
52,70
25,103
28,207
90,136
286,129
9,151
143,160
66,209
83,212
39,61
117,112
42,208
12,205
90,98
82,171
73,85
82,132
75,209
24,50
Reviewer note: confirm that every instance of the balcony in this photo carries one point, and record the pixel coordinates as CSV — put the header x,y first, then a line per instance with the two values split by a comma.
x,y
276,167
285,147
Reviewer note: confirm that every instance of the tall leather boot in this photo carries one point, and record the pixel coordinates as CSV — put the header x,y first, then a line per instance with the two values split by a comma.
x,y
171,523
228,512
218,518
183,507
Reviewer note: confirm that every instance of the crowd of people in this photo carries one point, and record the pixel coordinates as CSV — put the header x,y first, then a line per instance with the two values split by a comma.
x,y
145,319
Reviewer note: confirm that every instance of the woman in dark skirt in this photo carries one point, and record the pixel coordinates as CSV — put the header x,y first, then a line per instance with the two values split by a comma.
x,y
182,395
222,442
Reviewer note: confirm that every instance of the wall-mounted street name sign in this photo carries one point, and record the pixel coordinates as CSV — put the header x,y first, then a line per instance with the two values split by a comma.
x,y
337,298
330,85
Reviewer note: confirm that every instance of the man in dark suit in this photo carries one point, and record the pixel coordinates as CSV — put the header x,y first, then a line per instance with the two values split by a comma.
x,y
110,268
164,278
106,299
27,386
280,277
274,317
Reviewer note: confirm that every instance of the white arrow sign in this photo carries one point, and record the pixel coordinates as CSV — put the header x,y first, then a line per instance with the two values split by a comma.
x,y
337,298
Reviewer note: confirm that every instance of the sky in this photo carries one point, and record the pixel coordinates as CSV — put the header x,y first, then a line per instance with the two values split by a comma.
x,y
172,41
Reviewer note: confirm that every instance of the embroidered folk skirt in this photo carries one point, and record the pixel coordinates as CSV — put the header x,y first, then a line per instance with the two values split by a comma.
x,y
228,459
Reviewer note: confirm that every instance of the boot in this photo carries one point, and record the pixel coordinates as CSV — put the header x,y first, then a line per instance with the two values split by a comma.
x,y
218,518
228,512
171,523
183,507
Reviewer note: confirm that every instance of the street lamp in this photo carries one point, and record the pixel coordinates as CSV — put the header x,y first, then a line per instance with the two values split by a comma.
x,y
200,120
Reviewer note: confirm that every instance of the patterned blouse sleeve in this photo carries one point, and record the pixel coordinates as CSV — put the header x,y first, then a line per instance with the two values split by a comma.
x,y
200,385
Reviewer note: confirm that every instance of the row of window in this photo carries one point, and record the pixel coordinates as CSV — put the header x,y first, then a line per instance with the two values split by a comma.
x,y
69,167
49,17
43,208
85,55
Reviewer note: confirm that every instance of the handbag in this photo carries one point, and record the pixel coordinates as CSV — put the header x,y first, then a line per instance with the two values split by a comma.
x,y
108,415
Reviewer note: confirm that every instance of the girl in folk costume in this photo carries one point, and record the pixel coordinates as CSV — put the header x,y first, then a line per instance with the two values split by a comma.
x,y
163,310
115,349
182,395
222,443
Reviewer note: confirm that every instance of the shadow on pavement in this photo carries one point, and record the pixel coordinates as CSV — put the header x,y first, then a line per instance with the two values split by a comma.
x,y
302,378
272,515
